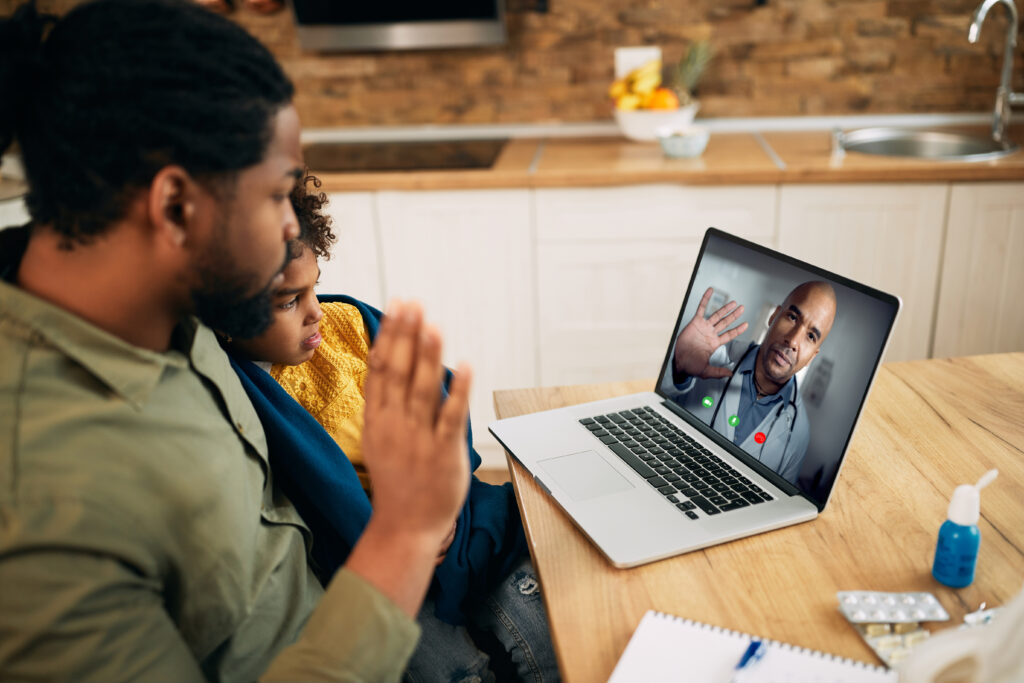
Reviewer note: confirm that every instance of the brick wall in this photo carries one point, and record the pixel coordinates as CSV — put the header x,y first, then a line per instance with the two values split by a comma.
x,y
788,57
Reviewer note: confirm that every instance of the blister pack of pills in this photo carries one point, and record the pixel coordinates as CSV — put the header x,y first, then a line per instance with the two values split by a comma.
x,y
873,607
892,642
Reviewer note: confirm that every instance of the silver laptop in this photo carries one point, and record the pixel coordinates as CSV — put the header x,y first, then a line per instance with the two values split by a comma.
x,y
767,370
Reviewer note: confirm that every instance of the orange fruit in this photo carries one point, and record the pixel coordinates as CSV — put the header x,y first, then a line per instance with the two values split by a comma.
x,y
662,98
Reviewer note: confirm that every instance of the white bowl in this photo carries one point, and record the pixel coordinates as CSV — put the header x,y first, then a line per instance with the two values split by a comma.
x,y
683,143
643,124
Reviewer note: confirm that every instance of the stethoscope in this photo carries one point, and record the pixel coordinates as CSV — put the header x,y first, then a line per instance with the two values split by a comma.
x,y
778,413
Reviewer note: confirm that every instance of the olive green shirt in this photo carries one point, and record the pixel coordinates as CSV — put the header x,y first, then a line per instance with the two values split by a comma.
x,y
141,534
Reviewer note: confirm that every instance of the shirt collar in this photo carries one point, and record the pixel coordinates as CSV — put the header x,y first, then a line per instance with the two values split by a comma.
x,y
747,368
127,370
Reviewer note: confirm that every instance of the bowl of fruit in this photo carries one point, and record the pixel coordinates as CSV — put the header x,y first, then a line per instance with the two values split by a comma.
x,y
645,101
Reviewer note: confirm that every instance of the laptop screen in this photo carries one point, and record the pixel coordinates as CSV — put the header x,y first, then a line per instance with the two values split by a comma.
x,y
776,357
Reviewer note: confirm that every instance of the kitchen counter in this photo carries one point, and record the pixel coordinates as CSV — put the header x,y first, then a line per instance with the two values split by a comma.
x,y
731,158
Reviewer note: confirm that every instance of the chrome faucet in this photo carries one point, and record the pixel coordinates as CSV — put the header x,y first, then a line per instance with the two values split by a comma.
x,y
1005,97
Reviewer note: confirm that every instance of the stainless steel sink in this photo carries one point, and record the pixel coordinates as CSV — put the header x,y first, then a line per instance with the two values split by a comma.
x,y
923,144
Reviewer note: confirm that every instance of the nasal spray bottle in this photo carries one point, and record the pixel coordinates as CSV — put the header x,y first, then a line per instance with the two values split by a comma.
x,y
956,553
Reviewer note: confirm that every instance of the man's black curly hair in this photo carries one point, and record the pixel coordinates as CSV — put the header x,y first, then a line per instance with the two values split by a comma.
x,y
104,97
314,225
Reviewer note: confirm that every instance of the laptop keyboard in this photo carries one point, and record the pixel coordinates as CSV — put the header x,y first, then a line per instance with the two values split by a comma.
x,y
684,472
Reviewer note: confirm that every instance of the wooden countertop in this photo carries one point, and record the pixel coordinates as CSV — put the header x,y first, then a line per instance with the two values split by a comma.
x,y
730,159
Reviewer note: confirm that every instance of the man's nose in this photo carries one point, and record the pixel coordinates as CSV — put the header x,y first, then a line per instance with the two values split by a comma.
x,y
789,339
291,224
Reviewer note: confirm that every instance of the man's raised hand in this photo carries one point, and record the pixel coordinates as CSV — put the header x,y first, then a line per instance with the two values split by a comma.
x,y
701,336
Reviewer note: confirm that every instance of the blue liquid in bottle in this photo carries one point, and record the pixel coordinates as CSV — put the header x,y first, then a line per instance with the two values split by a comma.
x,y
956,554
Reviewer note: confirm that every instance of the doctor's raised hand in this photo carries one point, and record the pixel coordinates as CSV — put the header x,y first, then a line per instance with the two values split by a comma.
x,y
701,336
414,446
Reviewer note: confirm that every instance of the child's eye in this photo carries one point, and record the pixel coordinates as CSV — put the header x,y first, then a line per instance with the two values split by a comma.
x,y
289,304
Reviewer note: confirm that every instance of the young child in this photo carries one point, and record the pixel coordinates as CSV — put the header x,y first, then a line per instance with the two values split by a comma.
x,y
305,376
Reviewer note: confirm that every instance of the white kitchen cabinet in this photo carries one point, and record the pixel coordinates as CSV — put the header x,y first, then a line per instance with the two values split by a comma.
x,y
613,265
886,236
12,213
981,298
354,267
468,256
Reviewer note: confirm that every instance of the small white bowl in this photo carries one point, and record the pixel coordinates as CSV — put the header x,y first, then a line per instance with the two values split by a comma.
x,y
683,143
643,124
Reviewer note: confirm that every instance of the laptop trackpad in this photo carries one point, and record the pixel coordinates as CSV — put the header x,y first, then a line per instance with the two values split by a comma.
x,y
584,475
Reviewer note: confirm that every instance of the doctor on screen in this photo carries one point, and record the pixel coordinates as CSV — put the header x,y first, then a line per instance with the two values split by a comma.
x,y
746,391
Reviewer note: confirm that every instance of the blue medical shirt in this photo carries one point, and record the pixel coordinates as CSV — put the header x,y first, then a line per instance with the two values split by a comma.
x,y
752,410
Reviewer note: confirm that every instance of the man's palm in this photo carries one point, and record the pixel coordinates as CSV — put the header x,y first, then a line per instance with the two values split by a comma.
x,y
702,336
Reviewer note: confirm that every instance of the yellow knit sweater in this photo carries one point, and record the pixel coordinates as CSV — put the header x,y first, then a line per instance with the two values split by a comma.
x,y
331,384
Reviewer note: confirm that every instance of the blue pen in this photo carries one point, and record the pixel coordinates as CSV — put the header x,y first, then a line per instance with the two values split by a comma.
x,y
751,657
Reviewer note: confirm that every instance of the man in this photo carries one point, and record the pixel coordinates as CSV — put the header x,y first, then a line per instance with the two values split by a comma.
x,y
746,391
141,532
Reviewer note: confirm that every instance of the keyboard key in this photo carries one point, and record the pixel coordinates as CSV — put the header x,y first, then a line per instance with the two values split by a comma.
x,y
691,514
638,465
593,426
672,477
603,419
599,433
687,505
667,490
657,482
672,497
718,500
704,505
587,421
751,497
608,439
735,505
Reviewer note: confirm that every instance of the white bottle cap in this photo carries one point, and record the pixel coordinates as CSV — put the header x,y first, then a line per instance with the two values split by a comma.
x,y
965,507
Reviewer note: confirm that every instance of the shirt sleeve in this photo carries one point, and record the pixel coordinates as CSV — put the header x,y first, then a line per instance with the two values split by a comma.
x,y
88,617
95,617
355,634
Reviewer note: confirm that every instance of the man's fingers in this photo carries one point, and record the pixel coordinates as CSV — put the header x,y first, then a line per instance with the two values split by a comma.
x,y
722,312
729,319
380,352
703,305
425,390
715,372
727,337
401,359
451,422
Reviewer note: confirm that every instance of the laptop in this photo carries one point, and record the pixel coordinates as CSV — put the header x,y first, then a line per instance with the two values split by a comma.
x,y
749,423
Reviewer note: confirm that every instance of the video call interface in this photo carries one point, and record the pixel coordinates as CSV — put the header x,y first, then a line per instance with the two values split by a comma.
x,y
777,359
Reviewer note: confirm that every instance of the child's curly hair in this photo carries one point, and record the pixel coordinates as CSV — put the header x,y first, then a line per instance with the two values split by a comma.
x,y
314,226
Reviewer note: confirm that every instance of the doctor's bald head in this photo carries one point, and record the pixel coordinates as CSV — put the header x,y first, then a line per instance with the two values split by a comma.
x,y
797,329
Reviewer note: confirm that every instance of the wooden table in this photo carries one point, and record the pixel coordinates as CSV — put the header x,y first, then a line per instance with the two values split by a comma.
x,y
928,426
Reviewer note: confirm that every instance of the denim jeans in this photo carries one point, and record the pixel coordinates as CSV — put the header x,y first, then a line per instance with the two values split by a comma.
x,y
513,613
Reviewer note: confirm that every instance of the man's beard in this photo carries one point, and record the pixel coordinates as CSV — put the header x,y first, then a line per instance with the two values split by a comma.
x,y
220,303
221,299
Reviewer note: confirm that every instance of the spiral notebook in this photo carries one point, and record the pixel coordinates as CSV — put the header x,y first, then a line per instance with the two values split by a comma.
x,y
667,648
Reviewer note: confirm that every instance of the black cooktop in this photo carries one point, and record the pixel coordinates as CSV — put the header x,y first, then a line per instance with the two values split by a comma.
x,y
420,155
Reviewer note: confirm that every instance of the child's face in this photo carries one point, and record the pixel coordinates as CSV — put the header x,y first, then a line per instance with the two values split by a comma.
x,y
294,334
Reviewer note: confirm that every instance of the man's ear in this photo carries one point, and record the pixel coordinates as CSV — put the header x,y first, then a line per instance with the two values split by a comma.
x,y
172,204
